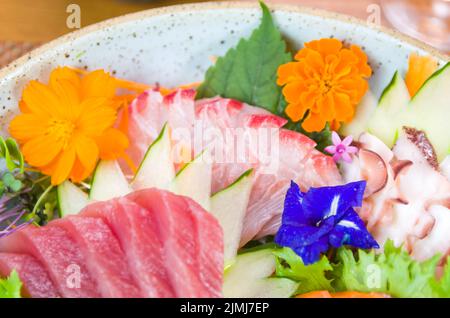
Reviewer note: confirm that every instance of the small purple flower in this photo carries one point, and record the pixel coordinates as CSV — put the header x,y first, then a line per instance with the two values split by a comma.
x,y
341,148
321,218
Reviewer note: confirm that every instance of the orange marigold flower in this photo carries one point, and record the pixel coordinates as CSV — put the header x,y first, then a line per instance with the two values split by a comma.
x,y
66,126
326,82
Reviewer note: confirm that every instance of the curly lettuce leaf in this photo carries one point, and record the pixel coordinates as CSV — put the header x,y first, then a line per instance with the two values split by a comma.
x,y
11,286
311,277
248,72
393,272
442,286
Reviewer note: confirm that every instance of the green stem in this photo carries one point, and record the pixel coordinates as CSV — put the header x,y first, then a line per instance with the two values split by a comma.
x,y
39,201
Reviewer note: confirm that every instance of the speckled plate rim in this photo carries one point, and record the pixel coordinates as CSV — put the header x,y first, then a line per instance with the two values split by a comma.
x,y
206,6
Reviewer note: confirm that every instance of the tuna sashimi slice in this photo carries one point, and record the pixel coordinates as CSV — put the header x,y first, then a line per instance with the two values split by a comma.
x,y
103,255
138,234
58,254
181,226
36,282
210,248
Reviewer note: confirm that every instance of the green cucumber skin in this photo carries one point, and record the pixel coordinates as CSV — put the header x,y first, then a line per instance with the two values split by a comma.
x,y
242,176
388,88
156,141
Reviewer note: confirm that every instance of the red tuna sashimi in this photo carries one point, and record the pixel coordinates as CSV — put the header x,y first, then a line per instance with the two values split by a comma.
x,y
58,254
209,248
138,234
190,234
103,254
36,282
297,159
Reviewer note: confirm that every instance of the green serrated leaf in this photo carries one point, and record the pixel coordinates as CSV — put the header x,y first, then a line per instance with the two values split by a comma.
x,y
311,277
248,72
11,286
393,272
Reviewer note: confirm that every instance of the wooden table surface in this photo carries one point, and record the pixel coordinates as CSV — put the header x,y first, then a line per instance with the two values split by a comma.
x,y
43,20
25,24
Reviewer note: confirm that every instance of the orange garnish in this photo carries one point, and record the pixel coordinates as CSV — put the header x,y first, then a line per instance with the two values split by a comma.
x,y
67,125
347,294
419,70
326,82
315,294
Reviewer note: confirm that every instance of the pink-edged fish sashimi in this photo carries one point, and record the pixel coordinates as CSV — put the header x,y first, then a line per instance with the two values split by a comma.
x,y
37,283
103,255
292,157
138,234
150,243
58,254
193,242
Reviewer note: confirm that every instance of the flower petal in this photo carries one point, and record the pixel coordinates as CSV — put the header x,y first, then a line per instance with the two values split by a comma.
x,y
95,117
293,212
295,112
69,98
41,150
79,172
344,108
297,236
325,46
87,152
346,157
351,230
311,253
112,144
334,201
287,73
313,122
66,74
352,149
347,140
64,166
331,149
26,126
41,100
335,138
98,84
293,90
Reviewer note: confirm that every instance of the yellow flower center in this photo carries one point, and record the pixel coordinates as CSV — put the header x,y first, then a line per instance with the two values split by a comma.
x,y
62,129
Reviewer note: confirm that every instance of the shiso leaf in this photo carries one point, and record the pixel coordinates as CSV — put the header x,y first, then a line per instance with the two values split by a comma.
x,y
248,72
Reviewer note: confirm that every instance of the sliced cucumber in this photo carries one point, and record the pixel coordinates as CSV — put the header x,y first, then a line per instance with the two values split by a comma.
x,y
360,122
194,180
388,118
429,111
229,206
109,182
249,277
71,199
157,168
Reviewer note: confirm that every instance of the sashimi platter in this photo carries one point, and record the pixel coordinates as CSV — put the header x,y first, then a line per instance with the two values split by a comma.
x,y
288,166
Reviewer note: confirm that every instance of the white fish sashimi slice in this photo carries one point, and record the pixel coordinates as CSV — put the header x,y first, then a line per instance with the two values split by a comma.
x,y
296,159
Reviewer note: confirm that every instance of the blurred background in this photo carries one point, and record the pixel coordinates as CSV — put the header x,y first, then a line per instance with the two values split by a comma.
x,y
26,24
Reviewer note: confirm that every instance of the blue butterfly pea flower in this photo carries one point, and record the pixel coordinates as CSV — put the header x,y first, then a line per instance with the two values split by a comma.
x,y
321,218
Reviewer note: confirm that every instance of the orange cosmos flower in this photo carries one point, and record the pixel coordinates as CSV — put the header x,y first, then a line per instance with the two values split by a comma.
x,y
65,127
326,82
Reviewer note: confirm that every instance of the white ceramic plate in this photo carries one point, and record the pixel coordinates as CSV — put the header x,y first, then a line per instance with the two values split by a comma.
x,y
173,45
